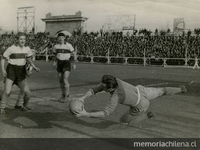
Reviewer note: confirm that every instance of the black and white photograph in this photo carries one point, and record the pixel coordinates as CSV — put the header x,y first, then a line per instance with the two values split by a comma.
x,y
99,74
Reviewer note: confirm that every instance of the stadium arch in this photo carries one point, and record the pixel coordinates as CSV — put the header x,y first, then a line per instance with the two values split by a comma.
x,y
69,23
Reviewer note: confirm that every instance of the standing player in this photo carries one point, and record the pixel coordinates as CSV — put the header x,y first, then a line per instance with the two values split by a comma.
x,y
27,90
196,62
136,97
62,53
17,57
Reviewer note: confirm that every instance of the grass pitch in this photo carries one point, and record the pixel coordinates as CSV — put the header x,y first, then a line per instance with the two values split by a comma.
x,y
176,116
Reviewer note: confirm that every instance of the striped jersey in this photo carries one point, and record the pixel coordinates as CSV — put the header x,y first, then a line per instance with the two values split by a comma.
x,y
63,51
16,55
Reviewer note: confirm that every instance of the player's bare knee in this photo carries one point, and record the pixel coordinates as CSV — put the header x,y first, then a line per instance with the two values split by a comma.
x,y
7,93
67,85
27,93
167,91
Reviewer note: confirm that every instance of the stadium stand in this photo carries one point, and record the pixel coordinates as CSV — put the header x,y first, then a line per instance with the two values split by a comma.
x,y
93,47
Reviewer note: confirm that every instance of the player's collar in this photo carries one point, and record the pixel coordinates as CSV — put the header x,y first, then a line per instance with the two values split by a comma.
x,y
62,44
20,47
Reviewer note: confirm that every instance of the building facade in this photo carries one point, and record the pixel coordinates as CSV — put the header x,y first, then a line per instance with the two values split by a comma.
x,y
70,23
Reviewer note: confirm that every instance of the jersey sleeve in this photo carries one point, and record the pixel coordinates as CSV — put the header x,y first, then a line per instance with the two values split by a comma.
x,y
97,88
112,104
7,53
70,47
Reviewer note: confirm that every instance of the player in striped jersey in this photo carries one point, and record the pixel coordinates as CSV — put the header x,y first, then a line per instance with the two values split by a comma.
x,y
136,97
27,94
63,53
17,57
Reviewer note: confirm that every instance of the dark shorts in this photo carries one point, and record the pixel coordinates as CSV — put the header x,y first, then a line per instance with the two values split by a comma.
x,y
64,65
16,73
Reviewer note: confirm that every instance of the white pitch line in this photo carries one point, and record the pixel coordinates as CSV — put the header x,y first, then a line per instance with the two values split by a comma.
x,y
157,84
191,82
78,94
194,80
72,95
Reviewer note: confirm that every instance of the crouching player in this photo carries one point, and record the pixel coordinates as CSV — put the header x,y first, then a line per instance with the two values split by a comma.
x,y
17,57
136,97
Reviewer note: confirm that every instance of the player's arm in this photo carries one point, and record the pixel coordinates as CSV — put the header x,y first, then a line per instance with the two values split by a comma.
x,y
91,92
5,58
108,109
86,95
84,113
73,52
4,73
98,114
54,61
55,58
30,61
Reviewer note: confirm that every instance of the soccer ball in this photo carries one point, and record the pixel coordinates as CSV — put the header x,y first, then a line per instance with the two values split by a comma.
x,y
76,106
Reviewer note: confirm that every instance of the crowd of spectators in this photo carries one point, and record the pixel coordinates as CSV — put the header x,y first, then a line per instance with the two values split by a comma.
x,y
115,44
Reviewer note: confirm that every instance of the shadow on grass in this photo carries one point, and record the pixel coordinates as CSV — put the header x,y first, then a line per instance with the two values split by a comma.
x,y
44,119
